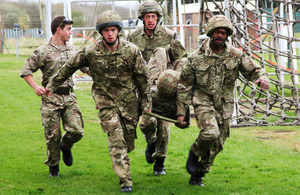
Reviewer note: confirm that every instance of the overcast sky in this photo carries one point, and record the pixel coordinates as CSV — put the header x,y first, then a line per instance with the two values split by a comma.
x,y
119,2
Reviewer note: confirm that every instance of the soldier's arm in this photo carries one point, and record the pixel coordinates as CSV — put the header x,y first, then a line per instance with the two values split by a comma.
x,y
31,66
76,62
185,88
129,37
86,70
39,90
141,75
176,50
253,72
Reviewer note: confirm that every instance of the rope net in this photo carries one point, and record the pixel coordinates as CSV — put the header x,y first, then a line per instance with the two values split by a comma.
x,y
269,31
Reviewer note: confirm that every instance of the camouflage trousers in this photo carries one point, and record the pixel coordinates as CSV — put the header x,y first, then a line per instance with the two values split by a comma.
x,y
66,109
121,134
214,131
153,129
158,131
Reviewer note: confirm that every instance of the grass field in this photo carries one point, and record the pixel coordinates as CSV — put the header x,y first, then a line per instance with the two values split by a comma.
x,y
257,160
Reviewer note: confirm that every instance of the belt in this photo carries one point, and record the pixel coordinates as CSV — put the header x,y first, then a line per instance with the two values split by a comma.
x,y
63,90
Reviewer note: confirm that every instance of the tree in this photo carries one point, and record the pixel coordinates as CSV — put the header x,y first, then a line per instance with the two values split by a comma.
x,y
10,14
78,18
23,20
26,12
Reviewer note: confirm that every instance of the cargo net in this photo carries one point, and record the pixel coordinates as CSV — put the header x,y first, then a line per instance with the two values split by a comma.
x,y
269,31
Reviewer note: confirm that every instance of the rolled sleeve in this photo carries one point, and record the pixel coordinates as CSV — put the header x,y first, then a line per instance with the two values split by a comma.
x,y
31,65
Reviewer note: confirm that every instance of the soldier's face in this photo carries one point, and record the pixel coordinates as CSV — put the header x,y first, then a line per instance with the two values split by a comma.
x,y
219,36
110,34
150,20
66,32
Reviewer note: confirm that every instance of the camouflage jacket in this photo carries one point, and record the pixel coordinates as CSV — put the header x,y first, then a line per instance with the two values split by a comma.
x,y
162,37
210,77
117,76
49,58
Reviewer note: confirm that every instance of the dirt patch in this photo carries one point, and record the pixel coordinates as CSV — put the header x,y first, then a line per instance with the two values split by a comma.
x,y
288,139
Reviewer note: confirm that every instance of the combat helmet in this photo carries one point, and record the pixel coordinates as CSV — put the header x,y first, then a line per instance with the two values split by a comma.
x,y
167,83
150,6
218,21
109,18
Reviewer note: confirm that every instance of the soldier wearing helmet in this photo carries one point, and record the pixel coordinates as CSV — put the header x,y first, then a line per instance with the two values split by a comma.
x,y
207,81
164,94
161,50
119,73
152,35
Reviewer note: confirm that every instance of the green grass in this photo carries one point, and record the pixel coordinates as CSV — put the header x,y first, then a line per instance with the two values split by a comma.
x,y
257,160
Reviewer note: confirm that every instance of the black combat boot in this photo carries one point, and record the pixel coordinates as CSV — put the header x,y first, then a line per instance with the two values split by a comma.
x,y
197,179
150,149
54,171
159,168
67,155
126,189
192,163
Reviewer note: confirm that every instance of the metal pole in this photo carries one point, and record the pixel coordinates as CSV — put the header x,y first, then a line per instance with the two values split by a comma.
x,y
17,32
113,5
292,46
1,34
174,14
180,23
48,20
70,17
200,16
65,8
282,42
17,43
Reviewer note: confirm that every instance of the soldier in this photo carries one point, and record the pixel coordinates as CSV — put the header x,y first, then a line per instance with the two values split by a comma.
x,y
119,72
162,51
208,79
63,104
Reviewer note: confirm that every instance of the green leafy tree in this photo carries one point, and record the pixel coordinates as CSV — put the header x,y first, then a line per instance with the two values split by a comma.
x,y
25,13
78,18
10,13
23,20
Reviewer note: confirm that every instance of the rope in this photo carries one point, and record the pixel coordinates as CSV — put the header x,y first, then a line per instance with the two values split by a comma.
x,y
280,105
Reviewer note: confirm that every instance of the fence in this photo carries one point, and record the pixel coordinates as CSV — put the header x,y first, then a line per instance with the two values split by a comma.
x,y
31,33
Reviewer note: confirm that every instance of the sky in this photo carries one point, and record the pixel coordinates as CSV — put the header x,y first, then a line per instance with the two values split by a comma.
x,y
119,2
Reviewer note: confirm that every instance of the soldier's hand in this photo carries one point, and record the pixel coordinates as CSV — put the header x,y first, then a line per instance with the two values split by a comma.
x,y
181,123
39,90
89,73
263,84
48,93
144,112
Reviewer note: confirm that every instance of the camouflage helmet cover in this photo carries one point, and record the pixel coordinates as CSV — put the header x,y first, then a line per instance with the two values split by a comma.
x,y
108,18
218,21
167,83
150,6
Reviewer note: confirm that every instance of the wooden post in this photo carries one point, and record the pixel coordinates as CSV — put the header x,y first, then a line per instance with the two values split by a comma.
x,y
1,34
270,45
